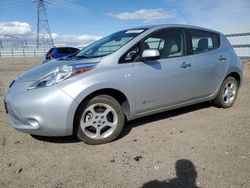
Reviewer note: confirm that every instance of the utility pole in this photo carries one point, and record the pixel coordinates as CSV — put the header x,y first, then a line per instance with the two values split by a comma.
x,y
43,31
1,45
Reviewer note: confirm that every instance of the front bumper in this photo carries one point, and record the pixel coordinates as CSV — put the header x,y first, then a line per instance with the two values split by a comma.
x,y
46,111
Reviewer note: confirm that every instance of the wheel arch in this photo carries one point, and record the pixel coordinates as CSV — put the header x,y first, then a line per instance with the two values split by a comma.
x,y
236,75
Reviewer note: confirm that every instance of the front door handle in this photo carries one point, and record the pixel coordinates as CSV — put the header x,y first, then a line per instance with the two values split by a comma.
x,y
185,65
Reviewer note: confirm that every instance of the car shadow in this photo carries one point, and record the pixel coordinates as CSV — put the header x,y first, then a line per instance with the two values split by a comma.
x,y
131,124
186,176
163,115
56,139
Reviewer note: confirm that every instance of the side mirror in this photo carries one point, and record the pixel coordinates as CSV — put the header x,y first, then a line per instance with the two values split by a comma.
x,y
150,54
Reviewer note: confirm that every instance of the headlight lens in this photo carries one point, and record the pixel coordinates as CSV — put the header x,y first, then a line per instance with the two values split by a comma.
x,y
56,76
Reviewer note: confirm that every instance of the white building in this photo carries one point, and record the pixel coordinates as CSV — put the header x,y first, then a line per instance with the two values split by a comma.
x,y
239,37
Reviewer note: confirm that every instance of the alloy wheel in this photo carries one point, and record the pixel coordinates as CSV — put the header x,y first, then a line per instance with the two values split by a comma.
x,y
99,121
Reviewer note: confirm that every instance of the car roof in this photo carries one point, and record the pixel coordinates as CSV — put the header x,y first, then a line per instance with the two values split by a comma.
x,y
161,26
63,47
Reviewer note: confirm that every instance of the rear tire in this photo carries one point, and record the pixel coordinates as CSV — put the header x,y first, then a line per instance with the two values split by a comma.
x,y
99,120
228,93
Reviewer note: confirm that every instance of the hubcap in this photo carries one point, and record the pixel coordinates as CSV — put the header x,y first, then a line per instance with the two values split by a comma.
x,y
99,121
229,94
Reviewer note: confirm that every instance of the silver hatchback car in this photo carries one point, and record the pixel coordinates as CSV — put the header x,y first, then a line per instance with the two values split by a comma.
x,y
127,75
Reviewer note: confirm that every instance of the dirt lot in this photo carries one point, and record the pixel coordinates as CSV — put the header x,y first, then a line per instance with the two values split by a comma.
x,y
199,145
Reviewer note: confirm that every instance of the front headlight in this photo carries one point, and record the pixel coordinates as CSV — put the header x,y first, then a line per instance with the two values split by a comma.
x,y
56,76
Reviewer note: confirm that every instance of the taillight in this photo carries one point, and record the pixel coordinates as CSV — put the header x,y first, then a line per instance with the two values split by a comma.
x,y
50,56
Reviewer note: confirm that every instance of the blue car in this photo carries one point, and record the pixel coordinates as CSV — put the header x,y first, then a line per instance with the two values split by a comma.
x,y
57,52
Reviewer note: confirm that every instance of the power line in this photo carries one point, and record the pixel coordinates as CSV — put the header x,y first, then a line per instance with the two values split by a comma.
x,y
87,9
7,4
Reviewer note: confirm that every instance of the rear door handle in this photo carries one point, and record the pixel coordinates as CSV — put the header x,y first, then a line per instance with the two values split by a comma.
x,y
185,65
222,59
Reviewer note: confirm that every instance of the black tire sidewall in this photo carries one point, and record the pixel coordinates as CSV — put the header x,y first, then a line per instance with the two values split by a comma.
x,y
120,115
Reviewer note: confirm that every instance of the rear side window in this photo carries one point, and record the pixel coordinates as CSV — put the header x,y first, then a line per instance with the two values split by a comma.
x,y
67,50
73,50
63,50
203,41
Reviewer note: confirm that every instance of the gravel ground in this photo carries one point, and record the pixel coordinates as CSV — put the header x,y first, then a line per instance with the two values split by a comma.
x,y
200,145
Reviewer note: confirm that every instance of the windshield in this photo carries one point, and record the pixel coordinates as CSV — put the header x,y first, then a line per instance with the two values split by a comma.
x,y
109,44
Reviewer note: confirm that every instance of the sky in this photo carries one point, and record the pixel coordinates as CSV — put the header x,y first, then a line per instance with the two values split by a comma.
x,y
80,22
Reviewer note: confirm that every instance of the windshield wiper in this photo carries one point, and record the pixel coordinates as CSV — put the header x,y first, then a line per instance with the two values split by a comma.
x,y
81,57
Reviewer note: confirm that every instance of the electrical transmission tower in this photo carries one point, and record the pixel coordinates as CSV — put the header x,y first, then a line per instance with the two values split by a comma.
x,y
43,31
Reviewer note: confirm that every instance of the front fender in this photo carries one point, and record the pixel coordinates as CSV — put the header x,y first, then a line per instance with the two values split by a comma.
x,y
79,88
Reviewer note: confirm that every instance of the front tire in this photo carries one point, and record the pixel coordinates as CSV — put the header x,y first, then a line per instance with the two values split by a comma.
x,y
99,120
228,93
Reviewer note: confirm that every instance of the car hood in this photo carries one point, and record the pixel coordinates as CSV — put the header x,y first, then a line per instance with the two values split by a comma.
x,y
39,71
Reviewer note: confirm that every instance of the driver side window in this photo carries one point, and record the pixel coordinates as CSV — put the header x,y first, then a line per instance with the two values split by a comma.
x,y
169,42
132,55
154,43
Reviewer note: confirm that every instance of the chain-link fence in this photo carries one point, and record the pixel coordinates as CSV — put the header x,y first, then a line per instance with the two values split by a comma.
x,y
25,52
